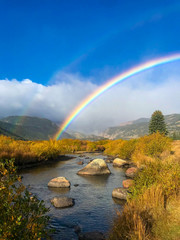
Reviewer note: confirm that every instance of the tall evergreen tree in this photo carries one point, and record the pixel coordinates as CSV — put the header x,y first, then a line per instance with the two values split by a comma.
x,y
157,123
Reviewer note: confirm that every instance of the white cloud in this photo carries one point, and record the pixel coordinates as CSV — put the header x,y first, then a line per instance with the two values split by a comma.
x,y
134,98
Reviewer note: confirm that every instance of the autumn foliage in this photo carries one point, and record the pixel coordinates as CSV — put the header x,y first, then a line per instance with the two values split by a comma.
x,y
22,216
144,216
25,152
152,209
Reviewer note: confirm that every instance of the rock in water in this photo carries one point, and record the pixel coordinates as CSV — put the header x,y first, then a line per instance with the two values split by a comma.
x,y
131,172
119,162
91,236
59,182
96,167
128,183
120,193
62,202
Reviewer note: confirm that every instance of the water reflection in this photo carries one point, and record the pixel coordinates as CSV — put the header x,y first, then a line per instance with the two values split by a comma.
x,y
59,190
96,180
119,201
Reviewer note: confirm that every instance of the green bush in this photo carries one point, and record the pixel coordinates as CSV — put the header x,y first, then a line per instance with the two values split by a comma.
x,y
22,216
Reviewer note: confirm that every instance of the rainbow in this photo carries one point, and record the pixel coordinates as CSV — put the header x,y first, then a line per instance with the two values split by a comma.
x,y
110,83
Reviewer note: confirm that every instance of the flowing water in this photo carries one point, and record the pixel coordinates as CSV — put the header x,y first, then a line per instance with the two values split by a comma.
x,y
94,207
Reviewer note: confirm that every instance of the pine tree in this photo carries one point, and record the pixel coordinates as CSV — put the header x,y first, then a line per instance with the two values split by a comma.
x,y
157,123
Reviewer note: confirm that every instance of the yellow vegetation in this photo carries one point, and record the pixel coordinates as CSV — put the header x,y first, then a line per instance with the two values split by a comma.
x,y
136,220
33,151
139,150
152,211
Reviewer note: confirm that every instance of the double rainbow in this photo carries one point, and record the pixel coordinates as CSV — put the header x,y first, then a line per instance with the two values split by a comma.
x,y
110,83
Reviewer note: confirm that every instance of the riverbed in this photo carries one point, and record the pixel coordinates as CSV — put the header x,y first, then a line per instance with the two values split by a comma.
x,y
94,207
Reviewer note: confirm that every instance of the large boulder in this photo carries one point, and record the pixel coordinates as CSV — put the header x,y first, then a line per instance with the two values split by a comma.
x,y
91,236
59,182
128,183
62,202
131,172
96,167
120,193
119,162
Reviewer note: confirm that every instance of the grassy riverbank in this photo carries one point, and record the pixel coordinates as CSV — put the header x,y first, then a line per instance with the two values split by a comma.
x,y
29,152
25,152
152,210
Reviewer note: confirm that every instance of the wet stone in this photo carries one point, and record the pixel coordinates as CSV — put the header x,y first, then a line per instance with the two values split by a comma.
x,y
62,202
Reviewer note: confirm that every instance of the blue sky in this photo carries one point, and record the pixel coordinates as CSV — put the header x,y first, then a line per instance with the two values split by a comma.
x,y
95,38
54,53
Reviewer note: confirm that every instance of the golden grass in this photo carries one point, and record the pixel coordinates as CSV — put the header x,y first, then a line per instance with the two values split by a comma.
x,y
25,152
153,213
167,226
138,216
176,150
145,218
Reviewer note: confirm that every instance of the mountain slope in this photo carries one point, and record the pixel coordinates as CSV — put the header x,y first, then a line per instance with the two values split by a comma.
x,y
83,136
140,127
4,131
31,128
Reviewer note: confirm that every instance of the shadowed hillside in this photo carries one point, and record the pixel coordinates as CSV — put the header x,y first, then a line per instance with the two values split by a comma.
x,y
5,132
30,128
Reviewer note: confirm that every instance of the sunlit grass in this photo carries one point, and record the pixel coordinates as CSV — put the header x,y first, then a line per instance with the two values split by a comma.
x,y
152,211
34,151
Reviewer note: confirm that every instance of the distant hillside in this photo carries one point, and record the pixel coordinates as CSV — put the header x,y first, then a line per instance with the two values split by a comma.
x,y
140,127
30,128
33,128
4,131
82,136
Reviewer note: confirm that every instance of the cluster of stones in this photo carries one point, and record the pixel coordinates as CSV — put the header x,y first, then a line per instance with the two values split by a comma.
x,y
122,192
95,167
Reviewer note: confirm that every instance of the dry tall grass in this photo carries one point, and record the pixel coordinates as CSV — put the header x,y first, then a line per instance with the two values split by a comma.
x,y
145,218
25,152
153,209
138,216
176,150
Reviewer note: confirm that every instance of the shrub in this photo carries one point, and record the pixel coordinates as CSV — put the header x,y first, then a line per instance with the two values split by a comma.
x,y
113,147
91,146
127,149
164,174
151,146
21,215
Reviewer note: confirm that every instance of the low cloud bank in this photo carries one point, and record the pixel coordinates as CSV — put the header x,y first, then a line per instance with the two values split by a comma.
x,y
136,97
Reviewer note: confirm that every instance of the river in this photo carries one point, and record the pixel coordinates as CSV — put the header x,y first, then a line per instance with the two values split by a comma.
x,y
94,207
